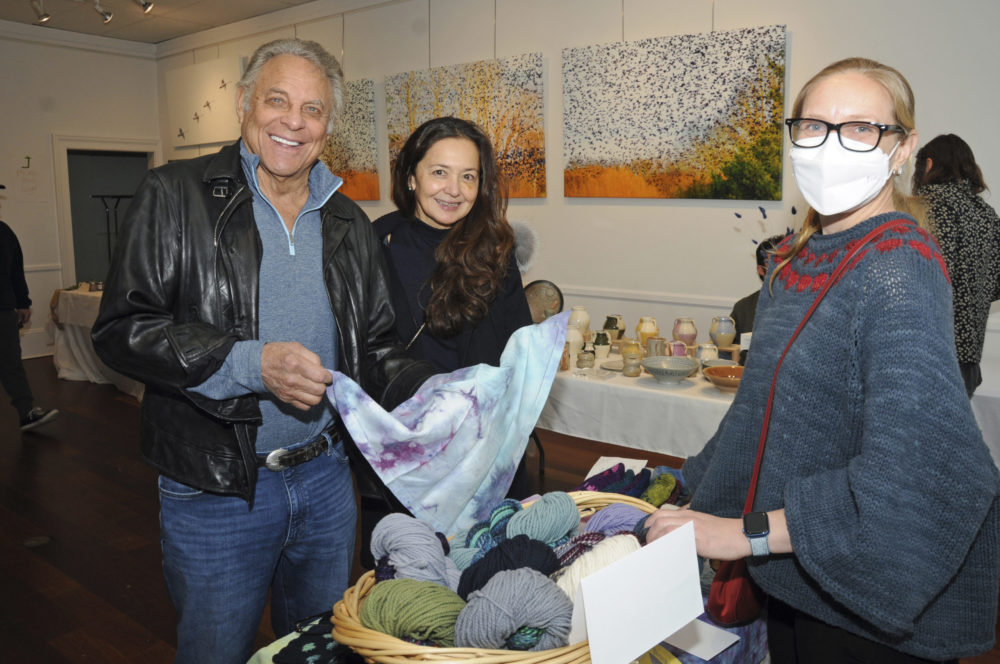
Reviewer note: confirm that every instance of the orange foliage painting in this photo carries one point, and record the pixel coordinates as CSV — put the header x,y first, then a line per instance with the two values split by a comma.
x,y
503,96
690,116
350,149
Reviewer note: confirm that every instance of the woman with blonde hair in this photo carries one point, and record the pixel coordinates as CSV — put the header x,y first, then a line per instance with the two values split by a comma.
x,y
849,472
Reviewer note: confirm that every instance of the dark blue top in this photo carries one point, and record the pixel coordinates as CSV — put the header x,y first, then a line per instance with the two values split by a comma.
x,y
13,287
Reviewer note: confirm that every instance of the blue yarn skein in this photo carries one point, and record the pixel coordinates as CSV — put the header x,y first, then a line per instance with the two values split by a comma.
x,y
514,553
553,519
515,603
413,549
615,518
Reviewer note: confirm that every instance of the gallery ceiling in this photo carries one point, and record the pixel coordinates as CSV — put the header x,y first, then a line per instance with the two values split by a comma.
x,y
168,19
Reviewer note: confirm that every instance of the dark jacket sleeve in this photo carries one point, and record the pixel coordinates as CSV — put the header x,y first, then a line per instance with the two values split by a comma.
x,y
12,250
149,327
388,373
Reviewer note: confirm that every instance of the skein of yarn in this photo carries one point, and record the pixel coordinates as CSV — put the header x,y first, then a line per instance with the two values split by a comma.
x,y
417,611
552,519
603,554
514,553
577,546
615,518
518,609
413,550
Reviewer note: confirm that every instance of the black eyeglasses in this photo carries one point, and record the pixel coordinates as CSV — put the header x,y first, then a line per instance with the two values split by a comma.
x,y
853,136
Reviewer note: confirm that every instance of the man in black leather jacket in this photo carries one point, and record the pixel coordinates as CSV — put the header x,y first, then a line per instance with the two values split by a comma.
x,y
250,258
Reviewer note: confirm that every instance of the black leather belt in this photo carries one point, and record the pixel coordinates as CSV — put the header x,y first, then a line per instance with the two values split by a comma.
x,y
281,458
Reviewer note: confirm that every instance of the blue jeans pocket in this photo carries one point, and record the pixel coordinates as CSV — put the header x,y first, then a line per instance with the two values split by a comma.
x,y
338,453
172,489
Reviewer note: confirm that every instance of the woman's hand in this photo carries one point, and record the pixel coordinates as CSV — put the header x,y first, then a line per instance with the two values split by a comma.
x,y
714,537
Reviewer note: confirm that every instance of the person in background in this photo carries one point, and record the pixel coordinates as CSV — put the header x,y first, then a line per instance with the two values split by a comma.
x,y
15,313
948,178
240,280
746,308
875,530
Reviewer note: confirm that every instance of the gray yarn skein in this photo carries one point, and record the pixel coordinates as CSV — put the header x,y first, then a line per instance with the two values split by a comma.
x,y
414,550
513,599
551,519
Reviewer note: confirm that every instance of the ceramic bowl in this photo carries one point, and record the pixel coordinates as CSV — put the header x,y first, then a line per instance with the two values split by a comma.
x,y
724,378
718,362
668,369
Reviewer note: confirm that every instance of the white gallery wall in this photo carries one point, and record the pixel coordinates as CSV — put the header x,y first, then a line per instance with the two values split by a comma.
x,y
664,258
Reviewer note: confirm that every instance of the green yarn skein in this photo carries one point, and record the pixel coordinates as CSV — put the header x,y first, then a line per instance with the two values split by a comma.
x,y
659,490
421,611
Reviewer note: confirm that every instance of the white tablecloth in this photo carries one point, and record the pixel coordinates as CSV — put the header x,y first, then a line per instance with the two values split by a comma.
x,y
675,420
74,355
635,412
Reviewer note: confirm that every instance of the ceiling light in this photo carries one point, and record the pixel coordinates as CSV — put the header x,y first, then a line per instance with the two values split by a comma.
x,y
40,13
103,12
146,6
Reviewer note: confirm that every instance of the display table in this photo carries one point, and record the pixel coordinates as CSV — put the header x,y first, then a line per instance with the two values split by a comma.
x,y
676,420
640,413
74,356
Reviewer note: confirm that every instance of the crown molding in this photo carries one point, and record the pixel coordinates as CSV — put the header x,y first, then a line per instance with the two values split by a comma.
x,y
37,34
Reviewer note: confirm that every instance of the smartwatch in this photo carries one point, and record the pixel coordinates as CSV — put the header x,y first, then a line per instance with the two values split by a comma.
x,y
756,528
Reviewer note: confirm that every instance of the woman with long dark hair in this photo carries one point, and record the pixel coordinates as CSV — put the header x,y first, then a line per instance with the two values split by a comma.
x,y
456,286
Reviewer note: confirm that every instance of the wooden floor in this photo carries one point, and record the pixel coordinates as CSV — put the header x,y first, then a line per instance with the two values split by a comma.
x,y
80,576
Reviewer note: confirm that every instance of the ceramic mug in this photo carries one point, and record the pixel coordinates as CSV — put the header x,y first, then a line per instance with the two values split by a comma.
x,y
656,347
678,348
707,352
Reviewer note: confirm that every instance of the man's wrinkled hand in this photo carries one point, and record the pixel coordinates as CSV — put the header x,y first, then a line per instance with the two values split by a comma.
x,y
293,373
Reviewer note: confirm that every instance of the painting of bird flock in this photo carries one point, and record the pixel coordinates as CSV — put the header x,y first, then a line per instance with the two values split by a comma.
x,y
503,96
688,116
350,150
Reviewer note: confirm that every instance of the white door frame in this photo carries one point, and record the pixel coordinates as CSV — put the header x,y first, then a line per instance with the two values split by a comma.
x,y
61,145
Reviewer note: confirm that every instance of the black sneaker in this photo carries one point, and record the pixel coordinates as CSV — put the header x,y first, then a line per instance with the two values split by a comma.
x,y
37,417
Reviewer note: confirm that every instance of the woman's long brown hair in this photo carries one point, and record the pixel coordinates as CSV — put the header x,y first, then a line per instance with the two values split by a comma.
x,y
472,260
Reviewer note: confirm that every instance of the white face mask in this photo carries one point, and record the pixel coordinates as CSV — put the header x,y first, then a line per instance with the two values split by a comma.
x,y
834,179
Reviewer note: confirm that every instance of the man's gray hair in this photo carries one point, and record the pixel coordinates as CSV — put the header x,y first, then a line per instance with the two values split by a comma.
x,y
308,50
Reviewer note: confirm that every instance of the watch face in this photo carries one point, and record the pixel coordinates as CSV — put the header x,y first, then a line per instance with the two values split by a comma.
x,y
755,523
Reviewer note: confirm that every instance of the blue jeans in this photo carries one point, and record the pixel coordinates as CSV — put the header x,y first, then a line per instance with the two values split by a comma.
x,y
220,557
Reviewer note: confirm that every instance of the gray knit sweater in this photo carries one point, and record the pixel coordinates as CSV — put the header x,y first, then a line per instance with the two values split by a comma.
x,y
889,491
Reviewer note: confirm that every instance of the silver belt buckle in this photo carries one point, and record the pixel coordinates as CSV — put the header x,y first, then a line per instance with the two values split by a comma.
x,y
274,459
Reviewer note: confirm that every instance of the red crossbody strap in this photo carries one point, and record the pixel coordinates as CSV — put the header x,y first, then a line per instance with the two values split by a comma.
x,y
834,277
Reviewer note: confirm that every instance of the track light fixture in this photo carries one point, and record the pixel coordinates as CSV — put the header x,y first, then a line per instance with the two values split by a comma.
x,y
146,6
103,12
40,13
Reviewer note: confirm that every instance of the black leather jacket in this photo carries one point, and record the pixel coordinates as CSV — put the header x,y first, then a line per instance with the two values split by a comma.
x,y
182,289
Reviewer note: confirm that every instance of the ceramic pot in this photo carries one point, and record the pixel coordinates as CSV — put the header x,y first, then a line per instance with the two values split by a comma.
x,y
585,358
621,325
581,318
647,328
631,357
602,345
722,331
684,330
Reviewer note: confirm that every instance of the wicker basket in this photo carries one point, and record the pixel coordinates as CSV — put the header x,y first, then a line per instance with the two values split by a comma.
x,y
378,647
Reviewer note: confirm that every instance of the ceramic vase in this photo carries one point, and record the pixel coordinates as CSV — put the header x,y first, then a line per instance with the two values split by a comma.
x,y
585,358
581,318
611,327
647,328
684,330
631,357
574,339
722,331
602,345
